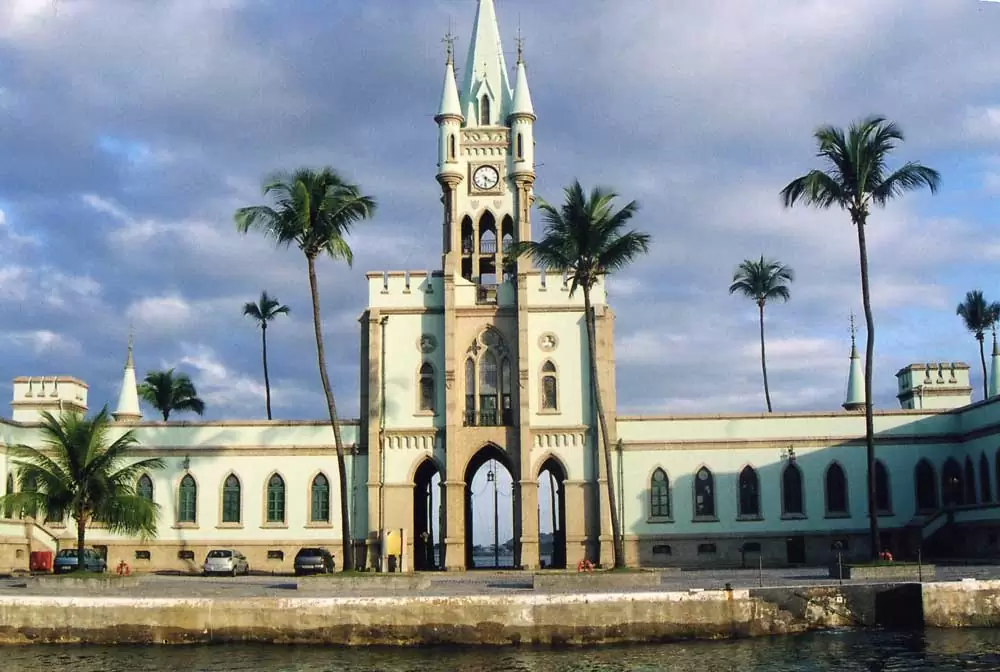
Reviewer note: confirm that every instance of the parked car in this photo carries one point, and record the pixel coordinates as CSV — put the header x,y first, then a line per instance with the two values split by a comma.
x,y
225,561
309,560
66,561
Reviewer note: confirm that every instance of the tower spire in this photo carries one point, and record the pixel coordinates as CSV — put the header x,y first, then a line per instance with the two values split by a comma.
x,y
994,383
855,397
485,68
450,105
127,409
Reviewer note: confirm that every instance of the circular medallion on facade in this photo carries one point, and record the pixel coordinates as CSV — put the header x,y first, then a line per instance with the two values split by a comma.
x,y
427,343
548,341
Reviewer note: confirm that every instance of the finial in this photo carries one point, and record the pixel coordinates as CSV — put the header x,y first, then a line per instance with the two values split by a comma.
x,y
129,361
854,329
449,39
519,41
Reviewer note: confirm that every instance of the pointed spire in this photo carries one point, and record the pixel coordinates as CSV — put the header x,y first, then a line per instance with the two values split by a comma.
x,y
855,398
127,409
994,386
485,68
450,105
522,96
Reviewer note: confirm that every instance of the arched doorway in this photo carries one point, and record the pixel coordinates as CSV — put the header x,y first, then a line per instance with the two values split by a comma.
x,y
427,517
552,514
952,487
489,511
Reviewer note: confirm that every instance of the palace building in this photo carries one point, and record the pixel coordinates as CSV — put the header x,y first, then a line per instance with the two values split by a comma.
x,y
481,364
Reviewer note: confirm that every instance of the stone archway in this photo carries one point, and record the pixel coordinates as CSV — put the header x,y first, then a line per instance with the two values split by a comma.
x,y
427,532
491,506
552,513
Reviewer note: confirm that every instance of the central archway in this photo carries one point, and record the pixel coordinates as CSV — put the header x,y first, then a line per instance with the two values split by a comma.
x,y
426,516
489,510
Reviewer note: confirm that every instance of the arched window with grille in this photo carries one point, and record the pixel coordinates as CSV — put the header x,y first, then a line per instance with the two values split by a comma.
x,y
319,507
506,402
426,388
883,491
232,497
144,487
187,500
275,499
488,389
792,501
835,490
970,481
749,493
470,392
704,494
659,494
550,387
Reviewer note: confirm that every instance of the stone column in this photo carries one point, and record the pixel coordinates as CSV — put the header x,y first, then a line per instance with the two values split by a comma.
x,y
529,521
454,540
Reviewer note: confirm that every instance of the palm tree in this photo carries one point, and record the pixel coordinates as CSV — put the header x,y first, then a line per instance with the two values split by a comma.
x,y
855,179
263,311
587,239
315,210
168,392
82,472
762,280
979,316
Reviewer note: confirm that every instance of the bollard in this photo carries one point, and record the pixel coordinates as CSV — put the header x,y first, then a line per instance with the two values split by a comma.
x,y
760,570
840,566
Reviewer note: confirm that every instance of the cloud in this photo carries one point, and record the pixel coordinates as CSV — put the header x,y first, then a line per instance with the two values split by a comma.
x,y
42,342
125,157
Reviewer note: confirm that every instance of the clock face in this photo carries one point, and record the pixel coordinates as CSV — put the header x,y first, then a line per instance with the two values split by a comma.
x,y
485,177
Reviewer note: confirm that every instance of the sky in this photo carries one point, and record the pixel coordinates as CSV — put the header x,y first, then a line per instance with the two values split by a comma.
x,y
131,131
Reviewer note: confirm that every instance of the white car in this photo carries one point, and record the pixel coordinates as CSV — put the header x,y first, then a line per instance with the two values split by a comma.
x,y
225,561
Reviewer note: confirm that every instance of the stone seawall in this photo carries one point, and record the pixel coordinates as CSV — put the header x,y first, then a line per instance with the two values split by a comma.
x,y
526,618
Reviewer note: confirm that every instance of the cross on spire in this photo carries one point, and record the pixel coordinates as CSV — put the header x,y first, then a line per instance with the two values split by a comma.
x,y
449,39
854,329
519,41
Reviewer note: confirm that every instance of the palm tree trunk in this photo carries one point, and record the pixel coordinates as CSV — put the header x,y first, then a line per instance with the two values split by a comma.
x,y
345,521
860,222
982,358
616,537
81,532
166,414
763,360
267,380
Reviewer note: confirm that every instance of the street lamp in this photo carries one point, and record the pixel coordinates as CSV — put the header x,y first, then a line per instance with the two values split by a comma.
x,y
491,477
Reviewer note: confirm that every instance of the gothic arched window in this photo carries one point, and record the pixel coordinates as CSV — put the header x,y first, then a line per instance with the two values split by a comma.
x,y
704,494
484,111
426,387
970,481
276,499
749,493
144,487
319,510
187,500
926,486
792,503
231,496
451,146
836,490
470,392
505,393
550,388
488,389
520,146
985,491
883,493
952,488
659,495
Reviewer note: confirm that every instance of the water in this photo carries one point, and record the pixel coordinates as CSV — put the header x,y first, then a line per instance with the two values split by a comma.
x,y
847,651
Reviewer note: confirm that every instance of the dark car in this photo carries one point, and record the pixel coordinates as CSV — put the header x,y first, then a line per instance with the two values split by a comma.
x,y
313,560
66,561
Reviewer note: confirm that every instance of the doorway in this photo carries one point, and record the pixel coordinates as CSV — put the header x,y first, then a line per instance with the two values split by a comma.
x,y
490,541
795,548
552,515
426,517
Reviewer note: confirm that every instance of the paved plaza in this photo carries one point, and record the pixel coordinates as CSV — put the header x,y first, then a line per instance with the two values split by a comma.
x,y
438,583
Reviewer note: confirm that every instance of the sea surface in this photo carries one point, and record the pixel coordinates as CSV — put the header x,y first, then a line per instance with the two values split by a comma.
x,y
864,651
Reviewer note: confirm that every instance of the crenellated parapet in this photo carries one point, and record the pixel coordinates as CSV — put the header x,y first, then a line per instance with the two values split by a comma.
x,y
934,385
559,438
34,395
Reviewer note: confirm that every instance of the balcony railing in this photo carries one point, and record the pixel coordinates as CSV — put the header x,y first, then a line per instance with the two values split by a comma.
x,y
487,246
493,418
486,294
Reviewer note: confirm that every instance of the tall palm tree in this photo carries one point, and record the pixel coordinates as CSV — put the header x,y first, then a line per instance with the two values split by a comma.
x,y
80,471
263,311
168,392
587,239
762,281
979,315
315,210
855,178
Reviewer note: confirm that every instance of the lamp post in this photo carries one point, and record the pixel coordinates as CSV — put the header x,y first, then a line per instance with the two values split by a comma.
x,y
491,477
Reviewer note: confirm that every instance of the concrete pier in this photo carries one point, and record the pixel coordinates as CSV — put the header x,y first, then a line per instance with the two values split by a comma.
x,y
509,619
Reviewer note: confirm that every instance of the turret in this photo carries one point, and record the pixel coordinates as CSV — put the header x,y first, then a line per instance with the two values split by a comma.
x,y
449,117
127,410
522,120
854,400
994,387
